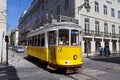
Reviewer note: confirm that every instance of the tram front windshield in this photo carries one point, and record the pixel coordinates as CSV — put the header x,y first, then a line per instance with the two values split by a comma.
x,y
67,37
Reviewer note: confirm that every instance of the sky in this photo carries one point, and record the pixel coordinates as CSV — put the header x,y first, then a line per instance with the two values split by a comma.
x,y
15,8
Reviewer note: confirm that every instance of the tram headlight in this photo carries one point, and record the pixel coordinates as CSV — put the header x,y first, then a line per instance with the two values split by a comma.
x,y
75,57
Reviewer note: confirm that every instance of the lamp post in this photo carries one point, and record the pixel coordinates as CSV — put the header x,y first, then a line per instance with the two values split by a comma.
x,y
6,40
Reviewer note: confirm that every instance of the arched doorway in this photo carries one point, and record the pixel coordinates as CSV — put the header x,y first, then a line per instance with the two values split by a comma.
x,y
106,44
114,46
97,46
87,47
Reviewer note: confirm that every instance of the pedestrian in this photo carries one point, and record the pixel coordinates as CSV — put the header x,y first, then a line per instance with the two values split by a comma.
x,y
107,51
100,50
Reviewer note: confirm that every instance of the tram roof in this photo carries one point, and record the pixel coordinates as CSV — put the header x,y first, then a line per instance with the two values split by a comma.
x,y
55,26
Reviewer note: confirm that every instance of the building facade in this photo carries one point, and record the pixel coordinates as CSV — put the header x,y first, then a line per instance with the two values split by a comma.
x,y
3,25
101,25
14,37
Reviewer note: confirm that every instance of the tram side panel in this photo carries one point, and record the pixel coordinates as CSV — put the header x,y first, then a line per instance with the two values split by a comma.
x,y
38,52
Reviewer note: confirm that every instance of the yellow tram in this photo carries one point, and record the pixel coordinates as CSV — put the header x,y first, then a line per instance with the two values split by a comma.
x,y
59,45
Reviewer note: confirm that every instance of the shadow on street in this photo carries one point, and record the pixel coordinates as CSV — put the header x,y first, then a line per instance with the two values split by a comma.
x,y
108,59
43,65
8,73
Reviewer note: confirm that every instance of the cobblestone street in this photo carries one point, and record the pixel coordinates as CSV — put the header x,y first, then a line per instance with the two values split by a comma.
x,y
21,68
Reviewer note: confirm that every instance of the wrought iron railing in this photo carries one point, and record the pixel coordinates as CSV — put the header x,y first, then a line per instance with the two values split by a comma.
x,y
100,34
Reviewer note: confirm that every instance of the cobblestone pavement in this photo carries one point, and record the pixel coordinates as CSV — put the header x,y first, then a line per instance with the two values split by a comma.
x,y
22,68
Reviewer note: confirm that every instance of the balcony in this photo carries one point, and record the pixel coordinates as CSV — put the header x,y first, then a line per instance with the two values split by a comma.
x,y
99,34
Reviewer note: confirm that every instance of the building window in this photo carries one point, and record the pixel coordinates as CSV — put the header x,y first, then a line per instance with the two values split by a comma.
x,y
113,30
86,2
106,29
112,12
66,4
118,14
87,25
58,10
105,9
51,16
97,27
96,6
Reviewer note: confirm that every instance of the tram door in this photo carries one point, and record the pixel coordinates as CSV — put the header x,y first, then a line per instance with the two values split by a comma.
x,y
52,46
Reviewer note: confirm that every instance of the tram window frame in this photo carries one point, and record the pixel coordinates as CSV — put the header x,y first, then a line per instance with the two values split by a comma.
x,y
76,37
63,38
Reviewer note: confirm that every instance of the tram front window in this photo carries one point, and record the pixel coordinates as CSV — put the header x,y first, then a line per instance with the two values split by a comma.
x,y
63,37
52,38
74,37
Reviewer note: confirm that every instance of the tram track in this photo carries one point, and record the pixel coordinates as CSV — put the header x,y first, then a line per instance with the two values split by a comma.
x,y
79,76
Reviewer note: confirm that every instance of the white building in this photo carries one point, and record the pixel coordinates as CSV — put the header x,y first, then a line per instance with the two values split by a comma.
x,y
101,25
14,37
3,24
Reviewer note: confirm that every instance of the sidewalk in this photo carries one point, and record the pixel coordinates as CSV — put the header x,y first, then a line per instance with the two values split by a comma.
x,y
97,56
12,60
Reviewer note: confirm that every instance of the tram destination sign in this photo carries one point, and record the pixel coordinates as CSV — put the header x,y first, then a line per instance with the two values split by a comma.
x,y
68,19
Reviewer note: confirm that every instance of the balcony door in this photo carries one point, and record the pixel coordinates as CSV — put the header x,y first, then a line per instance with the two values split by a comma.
x,y
105,29
97,27
87,25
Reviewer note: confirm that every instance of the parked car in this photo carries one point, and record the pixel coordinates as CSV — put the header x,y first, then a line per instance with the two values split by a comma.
x,y
14,48
19,49
10,47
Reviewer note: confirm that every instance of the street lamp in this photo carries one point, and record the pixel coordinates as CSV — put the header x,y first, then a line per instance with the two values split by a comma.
x,y
86,6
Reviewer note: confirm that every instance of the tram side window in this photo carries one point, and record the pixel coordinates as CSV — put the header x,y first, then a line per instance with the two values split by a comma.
x,y
28,41
35,42
63,37
43,40
38,44
74,37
